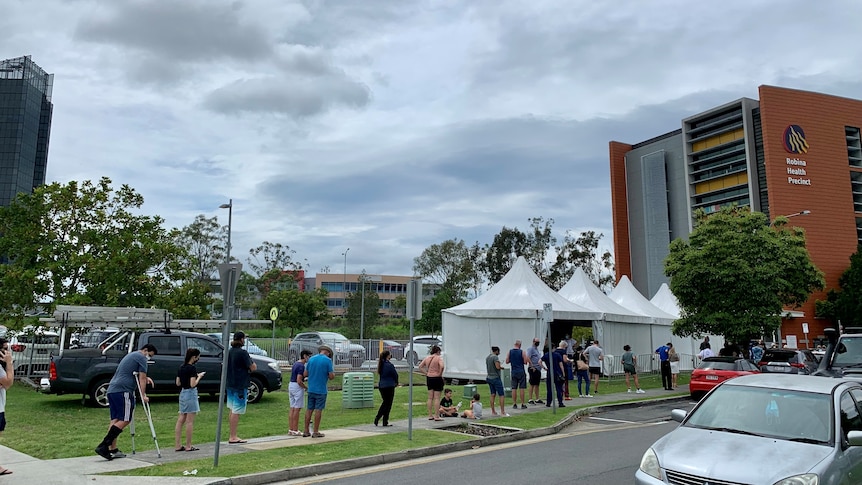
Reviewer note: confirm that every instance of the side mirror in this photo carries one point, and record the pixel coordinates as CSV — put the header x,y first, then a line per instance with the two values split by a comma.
x,y
854,438
678,415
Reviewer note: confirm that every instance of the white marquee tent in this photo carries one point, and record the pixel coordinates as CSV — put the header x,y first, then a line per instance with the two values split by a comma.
x,y
511,310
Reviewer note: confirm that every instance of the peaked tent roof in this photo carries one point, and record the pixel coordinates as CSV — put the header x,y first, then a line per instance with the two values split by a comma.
x,y
581,290
521,294
665,300
628,296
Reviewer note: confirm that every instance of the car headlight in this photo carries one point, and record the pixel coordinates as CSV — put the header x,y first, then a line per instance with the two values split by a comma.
x,y
804,479
649,464
273,366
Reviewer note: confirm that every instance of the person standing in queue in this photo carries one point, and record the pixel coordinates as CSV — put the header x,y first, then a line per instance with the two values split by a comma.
x,y
386,386
187,380
131,375
666,380
556,376
432,366
296,391
318,372
534,372
239,369
517,358
7,377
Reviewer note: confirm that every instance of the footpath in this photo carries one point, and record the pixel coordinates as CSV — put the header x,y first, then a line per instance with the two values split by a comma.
x,y
87,469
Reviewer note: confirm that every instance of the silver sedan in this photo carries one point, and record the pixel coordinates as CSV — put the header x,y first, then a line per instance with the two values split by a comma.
x,y
764,429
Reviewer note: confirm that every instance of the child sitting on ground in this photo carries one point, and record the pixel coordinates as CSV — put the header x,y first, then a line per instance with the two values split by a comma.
x,y
446,409
475,411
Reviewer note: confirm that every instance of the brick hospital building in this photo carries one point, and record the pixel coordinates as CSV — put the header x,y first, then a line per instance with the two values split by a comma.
x,y
789,153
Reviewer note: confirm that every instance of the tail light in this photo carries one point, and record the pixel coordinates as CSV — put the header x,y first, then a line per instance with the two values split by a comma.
x,y
761,363
797,365
52,371
18,347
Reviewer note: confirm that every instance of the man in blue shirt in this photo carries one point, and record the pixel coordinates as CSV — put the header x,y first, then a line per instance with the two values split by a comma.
x,y
666,379
318,371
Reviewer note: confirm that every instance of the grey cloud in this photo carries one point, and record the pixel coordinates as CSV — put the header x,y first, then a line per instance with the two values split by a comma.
x,y
177,31
290,95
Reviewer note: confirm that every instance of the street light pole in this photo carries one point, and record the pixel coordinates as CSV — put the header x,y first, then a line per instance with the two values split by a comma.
x,y
229,207
344,286
225,334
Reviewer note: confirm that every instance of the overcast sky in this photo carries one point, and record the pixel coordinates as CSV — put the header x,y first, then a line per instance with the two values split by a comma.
x,y
388,126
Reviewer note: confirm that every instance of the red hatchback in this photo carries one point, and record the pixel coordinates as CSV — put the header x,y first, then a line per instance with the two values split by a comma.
x,y
715,370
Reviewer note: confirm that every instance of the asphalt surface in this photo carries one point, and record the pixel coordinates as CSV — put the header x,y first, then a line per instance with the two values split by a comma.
x,y
87,469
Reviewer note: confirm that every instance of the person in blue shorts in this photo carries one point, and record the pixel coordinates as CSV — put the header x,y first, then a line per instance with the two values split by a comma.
x,y
318,371
239,369
131,375
495,381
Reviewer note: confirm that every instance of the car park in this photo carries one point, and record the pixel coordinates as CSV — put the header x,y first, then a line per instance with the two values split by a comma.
x,y
344,351
715,370
421,347
788,361
772,429
249,345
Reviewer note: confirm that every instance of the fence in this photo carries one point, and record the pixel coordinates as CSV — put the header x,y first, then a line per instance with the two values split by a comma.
x,y
646,364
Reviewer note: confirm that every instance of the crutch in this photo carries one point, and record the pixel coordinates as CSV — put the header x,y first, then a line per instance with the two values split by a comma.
x,y
149,416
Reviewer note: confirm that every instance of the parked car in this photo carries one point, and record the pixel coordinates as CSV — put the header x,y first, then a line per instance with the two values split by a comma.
x,y
763,429
394,348
249,346
92,338
788,361
32,350
715,370
345,351
421,348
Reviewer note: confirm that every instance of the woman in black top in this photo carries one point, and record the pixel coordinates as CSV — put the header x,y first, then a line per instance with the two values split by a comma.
x,y
386,386
188,378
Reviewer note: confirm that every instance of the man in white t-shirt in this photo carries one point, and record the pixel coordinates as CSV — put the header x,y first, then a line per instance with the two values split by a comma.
x,y
706,352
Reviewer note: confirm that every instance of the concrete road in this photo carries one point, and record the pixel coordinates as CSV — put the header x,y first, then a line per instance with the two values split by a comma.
x,y
603,448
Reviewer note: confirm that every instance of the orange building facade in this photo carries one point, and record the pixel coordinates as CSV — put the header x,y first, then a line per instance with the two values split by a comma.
x,y
789,153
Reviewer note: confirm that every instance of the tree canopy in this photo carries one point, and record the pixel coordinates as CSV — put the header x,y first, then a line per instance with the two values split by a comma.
x,y
737,271
844,305
82,243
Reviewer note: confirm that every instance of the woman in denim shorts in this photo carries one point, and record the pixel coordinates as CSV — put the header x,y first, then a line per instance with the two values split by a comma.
x,y
188,378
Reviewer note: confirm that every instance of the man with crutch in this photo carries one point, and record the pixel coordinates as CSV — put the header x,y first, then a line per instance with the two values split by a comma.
x,y
131,375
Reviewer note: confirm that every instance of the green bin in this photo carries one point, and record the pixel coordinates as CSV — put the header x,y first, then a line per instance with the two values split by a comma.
x,y
469,390
357,390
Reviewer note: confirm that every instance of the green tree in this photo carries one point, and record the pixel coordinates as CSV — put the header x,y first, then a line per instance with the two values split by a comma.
x,y
353,323
202,240
736,272
507,245
190,300
845,304
432,311
272,256
81,243
583,252
450,264
296,309
399,306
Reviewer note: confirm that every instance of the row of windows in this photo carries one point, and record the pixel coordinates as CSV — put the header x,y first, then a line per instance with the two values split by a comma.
x,y
354,287
340,303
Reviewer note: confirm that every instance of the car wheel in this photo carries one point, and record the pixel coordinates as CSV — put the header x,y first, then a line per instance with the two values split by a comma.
x,y
255,390
98,395
412,358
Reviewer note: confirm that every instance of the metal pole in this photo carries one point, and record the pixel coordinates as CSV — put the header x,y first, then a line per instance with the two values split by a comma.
x,y
344,285
362,310
225,336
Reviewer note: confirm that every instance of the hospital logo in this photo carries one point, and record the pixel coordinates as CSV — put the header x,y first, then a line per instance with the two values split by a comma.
x,y
794,140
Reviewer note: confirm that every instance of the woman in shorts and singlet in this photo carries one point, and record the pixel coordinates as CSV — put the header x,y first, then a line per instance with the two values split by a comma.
x,y
432,367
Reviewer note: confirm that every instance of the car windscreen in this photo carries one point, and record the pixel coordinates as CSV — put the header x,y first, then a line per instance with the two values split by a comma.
x,y
717,365
848,351
780,414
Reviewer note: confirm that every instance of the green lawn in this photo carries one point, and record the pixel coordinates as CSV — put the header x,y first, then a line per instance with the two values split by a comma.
x,y
65,428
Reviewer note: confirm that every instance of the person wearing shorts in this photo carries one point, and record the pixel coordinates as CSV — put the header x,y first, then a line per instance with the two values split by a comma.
x,y
630,367
432,366
131,375
296,392
517,358
534,372
318,372
495,381
239,369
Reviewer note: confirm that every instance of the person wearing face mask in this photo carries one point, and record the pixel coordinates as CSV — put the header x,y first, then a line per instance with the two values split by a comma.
x,y
534,372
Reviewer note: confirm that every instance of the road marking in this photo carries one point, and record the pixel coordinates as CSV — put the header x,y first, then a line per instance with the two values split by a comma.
x,y
614,420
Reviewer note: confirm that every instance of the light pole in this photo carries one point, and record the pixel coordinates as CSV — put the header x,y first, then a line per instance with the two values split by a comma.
x,y
788,216
344,286
225,334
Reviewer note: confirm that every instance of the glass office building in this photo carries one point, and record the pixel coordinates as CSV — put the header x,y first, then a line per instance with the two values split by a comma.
x,y
787,153
25,126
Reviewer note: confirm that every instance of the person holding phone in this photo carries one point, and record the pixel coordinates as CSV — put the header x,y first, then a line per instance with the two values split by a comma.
x,y
188,378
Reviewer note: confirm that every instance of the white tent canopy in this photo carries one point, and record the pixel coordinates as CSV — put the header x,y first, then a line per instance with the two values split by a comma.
x,y
665,300
629,297
511,310
580,289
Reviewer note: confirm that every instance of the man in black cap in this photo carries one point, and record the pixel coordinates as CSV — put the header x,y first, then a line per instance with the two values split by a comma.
x,y
239,369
